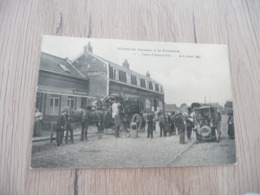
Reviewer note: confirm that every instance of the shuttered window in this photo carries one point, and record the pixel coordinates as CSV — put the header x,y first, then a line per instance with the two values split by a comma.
x,y
143,83
156,87
150,85
111,75
133,80
122,76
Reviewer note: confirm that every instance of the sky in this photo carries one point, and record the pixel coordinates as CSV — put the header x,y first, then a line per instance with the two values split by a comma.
x,y
188,72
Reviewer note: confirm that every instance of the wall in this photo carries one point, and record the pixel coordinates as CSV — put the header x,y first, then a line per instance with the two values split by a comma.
x,y
60,81
118,88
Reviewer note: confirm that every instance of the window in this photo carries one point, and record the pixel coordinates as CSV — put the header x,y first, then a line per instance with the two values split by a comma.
x,y
150,85
162,89
115,74
122,76
147,104
128,78
143,83
38,103
133,80
156,87
160,105
147,84
138,82
111,75
64,67
71,102
54,104
83,103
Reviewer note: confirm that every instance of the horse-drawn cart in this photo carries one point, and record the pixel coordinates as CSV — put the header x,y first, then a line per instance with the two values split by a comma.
x,y
130,111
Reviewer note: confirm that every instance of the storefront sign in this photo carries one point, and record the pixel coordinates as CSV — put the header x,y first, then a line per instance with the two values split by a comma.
x,y
78,92
95,74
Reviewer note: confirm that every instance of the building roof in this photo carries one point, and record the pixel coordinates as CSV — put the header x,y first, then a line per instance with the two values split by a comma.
x,y
82,62
102,60
120,67
59,65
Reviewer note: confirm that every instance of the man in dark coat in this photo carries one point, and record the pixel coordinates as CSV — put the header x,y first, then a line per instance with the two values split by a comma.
x,y
117,124
181,127
172,123
150,120
231,126
162,125
85,124
61,125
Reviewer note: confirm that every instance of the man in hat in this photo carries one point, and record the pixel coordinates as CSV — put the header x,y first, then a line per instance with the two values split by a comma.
x,y
162,125
189,123
117,124
150,121
61,126
172,123
85,124
181,127
115,107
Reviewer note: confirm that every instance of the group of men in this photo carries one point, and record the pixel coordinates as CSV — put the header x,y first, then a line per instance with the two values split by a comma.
x,y
172,124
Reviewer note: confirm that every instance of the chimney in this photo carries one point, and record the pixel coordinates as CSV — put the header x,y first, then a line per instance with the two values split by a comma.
x,y
88,48
68,60
126,64
148,74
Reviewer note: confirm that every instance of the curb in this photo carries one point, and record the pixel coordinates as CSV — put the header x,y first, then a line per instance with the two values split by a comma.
x,y
179,154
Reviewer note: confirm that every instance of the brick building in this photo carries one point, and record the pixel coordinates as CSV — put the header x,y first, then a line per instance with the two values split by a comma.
x,y
106,78
63,83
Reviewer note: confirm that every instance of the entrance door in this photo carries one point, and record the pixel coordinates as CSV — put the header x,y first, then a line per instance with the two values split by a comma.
x,y
83,103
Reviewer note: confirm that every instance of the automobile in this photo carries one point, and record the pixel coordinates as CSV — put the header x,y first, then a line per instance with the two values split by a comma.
x,y
206,123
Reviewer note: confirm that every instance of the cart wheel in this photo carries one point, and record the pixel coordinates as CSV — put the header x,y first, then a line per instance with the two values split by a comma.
x,y
217,135
136,118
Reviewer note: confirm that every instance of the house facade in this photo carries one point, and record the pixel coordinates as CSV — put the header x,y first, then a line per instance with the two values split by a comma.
x,y
106,78
63,83
60,85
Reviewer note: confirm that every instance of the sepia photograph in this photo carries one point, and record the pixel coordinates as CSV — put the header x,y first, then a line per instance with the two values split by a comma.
x,y
104,103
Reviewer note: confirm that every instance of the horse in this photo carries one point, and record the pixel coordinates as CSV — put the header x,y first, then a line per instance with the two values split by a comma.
x,y
92,117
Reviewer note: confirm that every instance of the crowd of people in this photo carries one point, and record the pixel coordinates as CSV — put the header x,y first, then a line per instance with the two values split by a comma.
x,y
174,123
170,124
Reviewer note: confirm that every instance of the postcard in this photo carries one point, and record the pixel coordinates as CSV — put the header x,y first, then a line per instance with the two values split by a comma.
x,y
105,103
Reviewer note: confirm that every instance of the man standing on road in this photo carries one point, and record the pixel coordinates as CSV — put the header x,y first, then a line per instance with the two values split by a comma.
x,y
162,125
181,127
172,123
150,121
61,125
85,124
189,123
115,107
117,124
218,121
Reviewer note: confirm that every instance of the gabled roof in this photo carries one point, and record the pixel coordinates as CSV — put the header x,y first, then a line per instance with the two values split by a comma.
x,y
58,65
82,62
81,57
